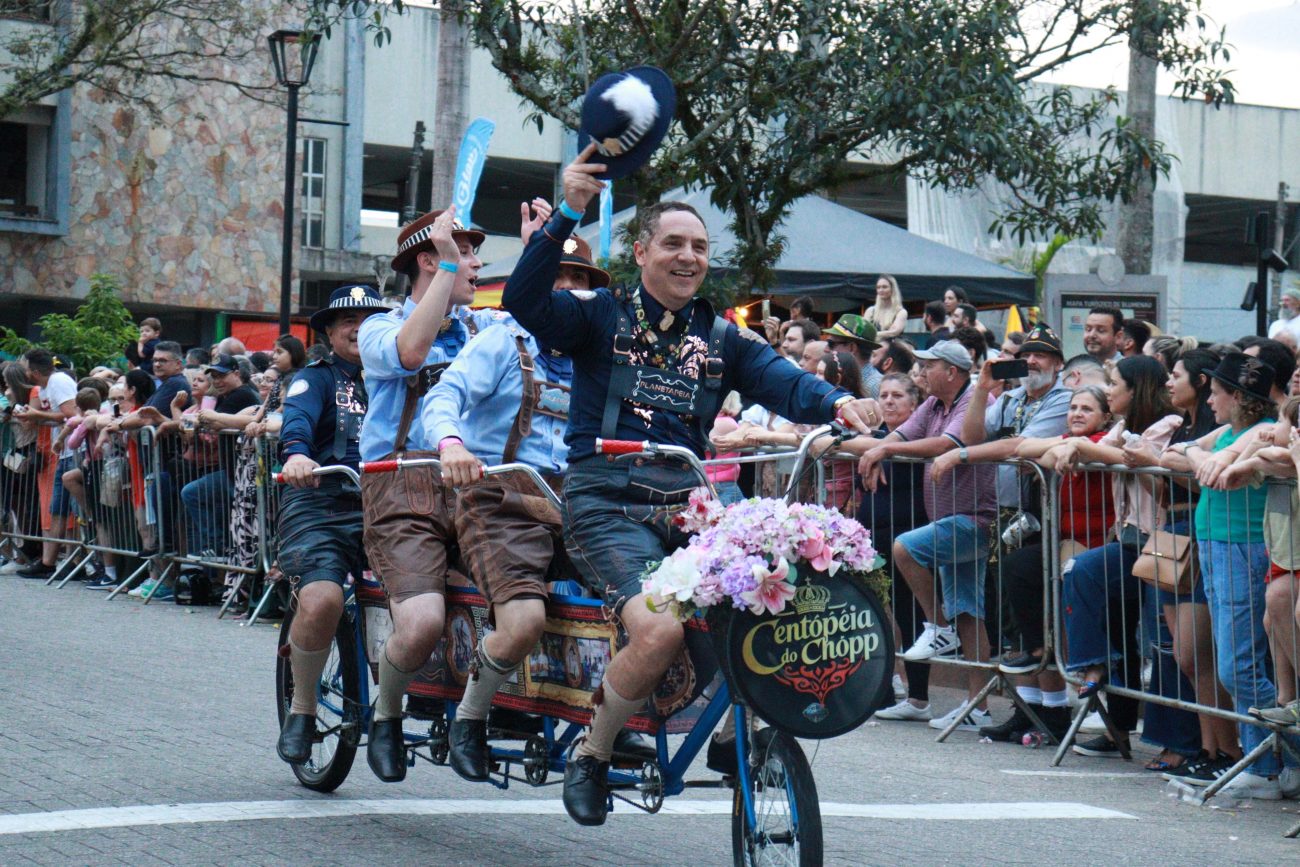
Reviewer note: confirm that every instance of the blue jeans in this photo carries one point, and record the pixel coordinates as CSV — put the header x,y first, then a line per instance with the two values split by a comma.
x,y
958,548
1091,582
729,492
1166,727
1234,584
207,501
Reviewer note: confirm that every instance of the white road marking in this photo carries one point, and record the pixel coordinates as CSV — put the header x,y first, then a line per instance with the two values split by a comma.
x,y
243,811
1097,774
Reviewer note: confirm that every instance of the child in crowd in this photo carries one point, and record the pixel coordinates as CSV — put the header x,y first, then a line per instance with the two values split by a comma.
x,y
150,334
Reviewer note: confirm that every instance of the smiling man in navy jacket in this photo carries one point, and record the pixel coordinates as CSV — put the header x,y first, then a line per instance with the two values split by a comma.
x,y
652,362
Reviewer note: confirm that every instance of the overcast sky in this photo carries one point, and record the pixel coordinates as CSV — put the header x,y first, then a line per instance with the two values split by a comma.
x,y
1265,65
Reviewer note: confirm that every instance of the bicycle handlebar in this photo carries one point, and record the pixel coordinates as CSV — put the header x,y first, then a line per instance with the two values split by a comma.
x,y
622,447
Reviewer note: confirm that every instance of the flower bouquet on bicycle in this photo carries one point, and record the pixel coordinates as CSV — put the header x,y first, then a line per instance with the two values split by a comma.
x,y
789,593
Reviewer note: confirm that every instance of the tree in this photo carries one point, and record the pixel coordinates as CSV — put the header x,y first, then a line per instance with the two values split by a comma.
x,y
773,97
96,334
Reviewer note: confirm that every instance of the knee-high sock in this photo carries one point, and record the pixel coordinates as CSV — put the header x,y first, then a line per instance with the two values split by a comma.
x,y
307,667
607,721
487,678
392,686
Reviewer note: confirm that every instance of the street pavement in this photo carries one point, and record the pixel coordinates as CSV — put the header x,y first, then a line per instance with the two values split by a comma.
x,y
118,705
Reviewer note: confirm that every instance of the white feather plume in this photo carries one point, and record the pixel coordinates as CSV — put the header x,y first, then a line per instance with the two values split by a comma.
x,y
634,98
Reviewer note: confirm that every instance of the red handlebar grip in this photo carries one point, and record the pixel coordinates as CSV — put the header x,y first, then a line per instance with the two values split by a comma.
x,y
377,466
621,447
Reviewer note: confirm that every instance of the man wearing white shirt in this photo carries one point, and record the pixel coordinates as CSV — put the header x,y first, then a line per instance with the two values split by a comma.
x,y
1288,317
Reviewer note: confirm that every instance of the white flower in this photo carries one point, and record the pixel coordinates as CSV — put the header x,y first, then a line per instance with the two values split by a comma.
x,y
676,577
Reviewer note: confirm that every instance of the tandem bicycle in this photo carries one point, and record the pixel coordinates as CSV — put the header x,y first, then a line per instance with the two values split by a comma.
x,y
775,816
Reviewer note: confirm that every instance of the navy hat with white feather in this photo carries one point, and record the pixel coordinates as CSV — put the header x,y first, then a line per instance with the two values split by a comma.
x,y
627,115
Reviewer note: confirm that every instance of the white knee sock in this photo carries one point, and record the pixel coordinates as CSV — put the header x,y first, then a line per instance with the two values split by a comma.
x,y
392,686
487,678
307,667
1031,694
1055,699
607,721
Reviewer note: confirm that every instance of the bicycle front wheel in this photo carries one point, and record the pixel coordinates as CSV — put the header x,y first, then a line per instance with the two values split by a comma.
x,y
787,827
338,707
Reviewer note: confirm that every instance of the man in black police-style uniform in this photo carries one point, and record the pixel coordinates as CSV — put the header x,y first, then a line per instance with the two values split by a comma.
x,y
320,516
652,362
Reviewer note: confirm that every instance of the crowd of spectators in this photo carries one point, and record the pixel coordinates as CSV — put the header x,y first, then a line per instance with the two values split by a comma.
x,y
952,526
78,462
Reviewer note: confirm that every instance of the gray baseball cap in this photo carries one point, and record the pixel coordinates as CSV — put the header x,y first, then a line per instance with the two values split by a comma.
x,y
947,350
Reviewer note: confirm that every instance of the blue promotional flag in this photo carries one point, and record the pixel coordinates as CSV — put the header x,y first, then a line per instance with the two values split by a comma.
x,y
606,219
469,166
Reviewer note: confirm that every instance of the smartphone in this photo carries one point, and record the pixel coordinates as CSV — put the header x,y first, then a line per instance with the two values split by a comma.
x,y
767,309
1016,368
117,410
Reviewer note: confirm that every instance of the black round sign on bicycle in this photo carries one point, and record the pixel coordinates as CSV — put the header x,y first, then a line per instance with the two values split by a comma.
x,y
818,669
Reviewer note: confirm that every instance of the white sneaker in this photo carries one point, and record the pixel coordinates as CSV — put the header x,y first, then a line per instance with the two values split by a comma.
x,y
900,690
10,568
974,720
1092,724
1247,785
934,641
905,710
1288,781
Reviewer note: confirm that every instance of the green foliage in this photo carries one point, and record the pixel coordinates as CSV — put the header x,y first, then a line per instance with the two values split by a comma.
x,y
96,334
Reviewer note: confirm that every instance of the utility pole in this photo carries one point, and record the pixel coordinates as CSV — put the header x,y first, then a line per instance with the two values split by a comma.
x,y
1279,244
450,119
411,209
1136,219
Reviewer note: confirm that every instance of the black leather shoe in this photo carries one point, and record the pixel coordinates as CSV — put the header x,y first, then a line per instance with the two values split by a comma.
x,y
632,745
296,738
586,789
721,757
468,749
386,751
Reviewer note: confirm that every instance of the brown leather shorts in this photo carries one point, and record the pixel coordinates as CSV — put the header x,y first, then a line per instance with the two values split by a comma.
x,y
408,529
508,536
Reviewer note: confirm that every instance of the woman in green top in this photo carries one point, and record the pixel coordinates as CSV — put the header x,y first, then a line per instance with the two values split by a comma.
x,y
1234,560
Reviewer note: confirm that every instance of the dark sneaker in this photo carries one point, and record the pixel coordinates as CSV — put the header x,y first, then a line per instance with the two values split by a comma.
x,y
586,789
1203,773
103,582
1020,663
1013,728
36,570
1100,747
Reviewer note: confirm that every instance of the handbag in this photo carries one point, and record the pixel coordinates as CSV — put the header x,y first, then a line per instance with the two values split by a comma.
x,y
16,462
112,479
1168,561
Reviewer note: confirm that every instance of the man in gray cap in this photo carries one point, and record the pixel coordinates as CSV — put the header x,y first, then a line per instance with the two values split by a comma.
x,y
961,506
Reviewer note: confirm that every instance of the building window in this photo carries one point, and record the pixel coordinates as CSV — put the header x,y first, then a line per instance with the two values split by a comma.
x,y
313,192
25,164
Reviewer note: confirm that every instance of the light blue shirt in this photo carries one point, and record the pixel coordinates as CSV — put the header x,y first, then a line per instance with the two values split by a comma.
x,y
386,381
478,398
483,319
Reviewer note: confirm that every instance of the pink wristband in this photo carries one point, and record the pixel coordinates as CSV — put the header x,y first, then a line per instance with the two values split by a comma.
x,y
442,443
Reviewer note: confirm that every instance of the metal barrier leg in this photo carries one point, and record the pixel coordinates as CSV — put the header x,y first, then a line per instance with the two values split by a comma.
x,y
261,603
971,703
1269,744
129,581
148,597
81,564
1093,704
1009,688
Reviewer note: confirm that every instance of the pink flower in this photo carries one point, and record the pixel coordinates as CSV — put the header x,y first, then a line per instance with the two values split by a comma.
x,y
815,550
772,590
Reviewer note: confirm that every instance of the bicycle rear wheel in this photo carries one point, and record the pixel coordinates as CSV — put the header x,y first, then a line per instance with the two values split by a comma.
x,y
338,707
787,816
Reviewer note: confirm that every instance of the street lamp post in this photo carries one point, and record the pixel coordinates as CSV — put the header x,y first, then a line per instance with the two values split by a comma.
x,y
292,71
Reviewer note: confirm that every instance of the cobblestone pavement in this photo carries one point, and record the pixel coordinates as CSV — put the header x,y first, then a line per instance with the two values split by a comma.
x,y
111,705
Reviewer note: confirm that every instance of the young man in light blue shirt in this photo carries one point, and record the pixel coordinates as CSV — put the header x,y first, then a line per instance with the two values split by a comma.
x,y
407,518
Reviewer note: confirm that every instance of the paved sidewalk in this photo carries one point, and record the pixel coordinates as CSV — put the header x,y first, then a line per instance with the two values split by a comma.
x,y
118,705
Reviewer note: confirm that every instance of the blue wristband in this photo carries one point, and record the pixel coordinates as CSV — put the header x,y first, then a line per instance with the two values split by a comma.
x,y
449,267
569,212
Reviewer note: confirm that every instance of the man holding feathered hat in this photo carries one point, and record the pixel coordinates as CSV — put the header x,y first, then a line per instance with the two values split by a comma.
x,y
650,363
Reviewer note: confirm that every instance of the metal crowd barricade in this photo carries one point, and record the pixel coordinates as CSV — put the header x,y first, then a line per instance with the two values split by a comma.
x,y
26,485
123,487
1201,655
268,511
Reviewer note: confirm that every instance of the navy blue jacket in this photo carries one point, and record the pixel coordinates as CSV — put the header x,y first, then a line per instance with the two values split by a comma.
x,y
309,422
582,324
